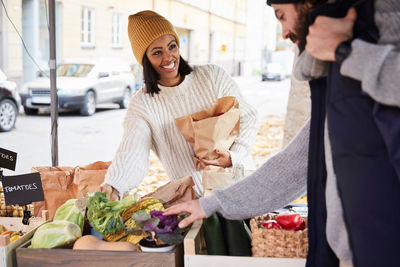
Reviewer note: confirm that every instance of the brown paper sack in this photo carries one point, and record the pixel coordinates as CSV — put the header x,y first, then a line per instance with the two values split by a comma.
x,y
63,183
211,129
58,187
89,178
219,178
174,192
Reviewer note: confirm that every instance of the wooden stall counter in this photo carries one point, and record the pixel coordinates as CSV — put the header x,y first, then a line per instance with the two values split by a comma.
x,y
194,255
29,257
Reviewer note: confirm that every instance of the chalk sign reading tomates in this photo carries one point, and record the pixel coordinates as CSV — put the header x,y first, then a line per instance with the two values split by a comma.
x,y
8,159
22,189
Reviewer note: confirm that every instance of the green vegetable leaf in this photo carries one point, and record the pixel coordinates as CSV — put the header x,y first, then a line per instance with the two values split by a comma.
x,y
104,215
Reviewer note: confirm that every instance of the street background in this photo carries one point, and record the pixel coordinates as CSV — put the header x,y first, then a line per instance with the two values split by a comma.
x,y
241,36
83,140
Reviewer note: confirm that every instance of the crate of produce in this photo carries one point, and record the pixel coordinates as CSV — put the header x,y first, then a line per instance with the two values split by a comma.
x,y
195,255
66,241
13,234
69,257
276,241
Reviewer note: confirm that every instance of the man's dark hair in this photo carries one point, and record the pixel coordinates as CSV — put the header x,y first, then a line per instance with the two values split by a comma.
x,y
151,77
314,3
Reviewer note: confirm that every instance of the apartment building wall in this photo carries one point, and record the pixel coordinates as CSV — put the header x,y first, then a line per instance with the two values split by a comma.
x,y
209,34
11,50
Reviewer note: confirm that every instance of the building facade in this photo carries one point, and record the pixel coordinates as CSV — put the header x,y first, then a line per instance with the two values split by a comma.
x,y
209,31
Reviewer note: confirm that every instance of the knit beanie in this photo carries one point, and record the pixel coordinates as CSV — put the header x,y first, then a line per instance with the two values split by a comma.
x,y
144,27
269,2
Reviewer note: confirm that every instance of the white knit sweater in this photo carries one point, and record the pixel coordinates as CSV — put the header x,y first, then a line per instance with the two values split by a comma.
x,y
149,124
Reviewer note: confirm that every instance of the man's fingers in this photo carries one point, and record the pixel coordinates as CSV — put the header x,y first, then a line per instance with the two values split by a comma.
x,y
351,14
179,208
188,220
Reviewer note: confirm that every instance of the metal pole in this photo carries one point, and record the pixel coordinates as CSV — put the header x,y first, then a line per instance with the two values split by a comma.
x,y
53,85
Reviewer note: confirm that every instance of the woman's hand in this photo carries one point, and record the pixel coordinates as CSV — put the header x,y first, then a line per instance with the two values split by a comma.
x,y
223,160
193,207
111,192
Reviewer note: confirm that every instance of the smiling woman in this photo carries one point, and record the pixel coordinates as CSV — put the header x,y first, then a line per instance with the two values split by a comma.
x,y
173,89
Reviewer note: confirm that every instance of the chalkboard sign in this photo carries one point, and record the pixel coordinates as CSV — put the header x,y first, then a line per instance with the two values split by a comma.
x,y
8,159
22,189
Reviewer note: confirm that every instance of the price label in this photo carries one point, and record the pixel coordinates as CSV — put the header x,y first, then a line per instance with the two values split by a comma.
x,y
8,159
22,189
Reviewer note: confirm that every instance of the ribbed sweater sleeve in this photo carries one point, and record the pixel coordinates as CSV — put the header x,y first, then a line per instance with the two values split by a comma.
x,y
377,66
150,124
244,142
279,181
130,163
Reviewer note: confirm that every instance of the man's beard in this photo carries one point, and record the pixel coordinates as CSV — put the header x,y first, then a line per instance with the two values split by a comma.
x,y
301,28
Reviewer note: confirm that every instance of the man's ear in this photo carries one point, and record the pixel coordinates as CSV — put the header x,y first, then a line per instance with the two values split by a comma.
x,y
308,5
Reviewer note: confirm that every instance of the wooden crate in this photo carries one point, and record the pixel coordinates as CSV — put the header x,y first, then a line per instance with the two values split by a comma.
x,y
194,247
7,249
68,257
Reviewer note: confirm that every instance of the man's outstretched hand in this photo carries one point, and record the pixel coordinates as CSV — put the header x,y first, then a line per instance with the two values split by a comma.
x,y
193,207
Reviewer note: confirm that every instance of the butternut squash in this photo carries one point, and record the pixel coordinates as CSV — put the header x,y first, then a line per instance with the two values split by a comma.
x,y
91,242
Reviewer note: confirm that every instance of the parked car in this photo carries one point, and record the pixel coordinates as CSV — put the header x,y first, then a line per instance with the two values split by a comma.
x,y
80,86
273,71
137,71
9,103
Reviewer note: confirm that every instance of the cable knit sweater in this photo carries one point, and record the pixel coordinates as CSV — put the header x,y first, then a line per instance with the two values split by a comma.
x,y
283,178
149,124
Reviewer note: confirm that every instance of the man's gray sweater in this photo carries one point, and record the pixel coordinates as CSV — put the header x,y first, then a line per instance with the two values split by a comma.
x,y
283,178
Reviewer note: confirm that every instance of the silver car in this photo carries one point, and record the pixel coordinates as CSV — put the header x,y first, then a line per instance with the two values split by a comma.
x,y
80,86
9,103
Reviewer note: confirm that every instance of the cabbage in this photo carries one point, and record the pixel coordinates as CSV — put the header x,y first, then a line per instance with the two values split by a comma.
x,y
72,210
56,234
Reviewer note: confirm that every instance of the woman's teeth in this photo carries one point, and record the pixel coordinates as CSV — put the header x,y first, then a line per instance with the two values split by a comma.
x,y
170,66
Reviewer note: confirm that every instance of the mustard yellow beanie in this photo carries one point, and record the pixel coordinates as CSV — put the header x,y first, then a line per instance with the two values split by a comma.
x,y
144,27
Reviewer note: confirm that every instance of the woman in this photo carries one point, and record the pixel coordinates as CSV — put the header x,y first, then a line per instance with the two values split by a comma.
x,y
172,89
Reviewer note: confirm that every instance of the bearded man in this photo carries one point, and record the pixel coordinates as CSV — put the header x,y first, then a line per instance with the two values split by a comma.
x,y
348,156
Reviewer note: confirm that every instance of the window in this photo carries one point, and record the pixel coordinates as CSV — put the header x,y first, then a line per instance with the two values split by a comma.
x,y
117,30
87,27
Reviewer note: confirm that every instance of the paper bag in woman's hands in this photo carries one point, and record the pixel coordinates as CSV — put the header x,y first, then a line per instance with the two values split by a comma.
x,y
174,192
211,129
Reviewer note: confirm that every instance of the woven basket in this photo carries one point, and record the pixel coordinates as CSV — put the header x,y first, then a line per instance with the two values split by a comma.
x,y
277,243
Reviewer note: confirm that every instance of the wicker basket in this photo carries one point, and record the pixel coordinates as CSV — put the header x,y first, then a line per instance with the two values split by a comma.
x,y
277,243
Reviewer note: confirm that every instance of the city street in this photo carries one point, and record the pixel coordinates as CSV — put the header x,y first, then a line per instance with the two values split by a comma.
x,y
83,140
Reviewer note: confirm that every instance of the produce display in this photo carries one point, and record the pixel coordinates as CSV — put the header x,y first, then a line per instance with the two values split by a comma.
x,y
14,235
56,234
117,221
91,242
104,215
72,211
146,204
157,227
282,235
286,221
11,210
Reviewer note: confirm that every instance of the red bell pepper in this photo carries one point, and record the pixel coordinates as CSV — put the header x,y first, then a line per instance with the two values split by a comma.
x,y
271,224
291,221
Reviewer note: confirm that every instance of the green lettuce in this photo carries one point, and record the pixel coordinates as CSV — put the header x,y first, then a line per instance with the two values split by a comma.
x,y
56,234
72,210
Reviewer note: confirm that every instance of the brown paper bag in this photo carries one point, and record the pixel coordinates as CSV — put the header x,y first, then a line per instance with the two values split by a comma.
x,y
175,192
211,129
89,178
58,187
63,183
219,178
